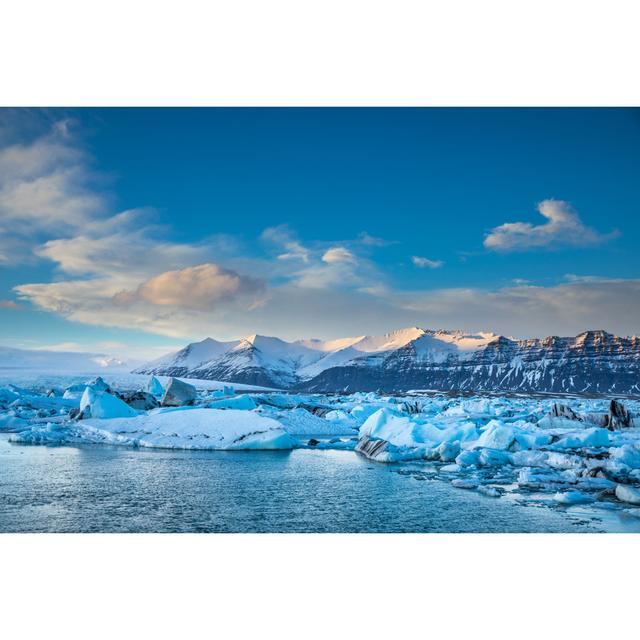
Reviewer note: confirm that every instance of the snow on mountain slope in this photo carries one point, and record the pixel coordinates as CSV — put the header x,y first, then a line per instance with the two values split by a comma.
x,y
179,363
432,346
437,346
260,360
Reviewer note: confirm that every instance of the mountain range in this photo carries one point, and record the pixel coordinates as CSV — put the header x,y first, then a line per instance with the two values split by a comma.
x,y
414,358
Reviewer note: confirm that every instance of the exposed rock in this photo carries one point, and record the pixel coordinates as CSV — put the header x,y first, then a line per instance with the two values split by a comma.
x,y
139,400
563,411
178,394
313,442
411,407
619,416
316,410
371,448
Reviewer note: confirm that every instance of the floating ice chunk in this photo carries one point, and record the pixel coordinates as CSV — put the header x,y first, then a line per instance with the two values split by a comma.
x,y
533,440
361,412
154,387
242,402
337,415
625,493
496,436
529,458
596,437
7,396
493,457
596,484
178,394
11,422
468,458
572,497
627,455
188,429
448,451
490,492
390,425
557,460
450,468
464,484
104,405
542,478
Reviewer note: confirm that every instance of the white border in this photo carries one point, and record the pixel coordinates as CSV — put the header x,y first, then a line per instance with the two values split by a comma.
x,y
319,586
319,52
345,52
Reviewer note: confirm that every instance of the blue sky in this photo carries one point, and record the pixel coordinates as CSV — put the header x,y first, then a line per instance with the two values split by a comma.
x,y
136,230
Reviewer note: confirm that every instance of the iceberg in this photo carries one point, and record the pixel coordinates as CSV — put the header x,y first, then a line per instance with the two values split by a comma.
x,y
96,404
238,402
572,497
625,493
178,394
154,387
192,428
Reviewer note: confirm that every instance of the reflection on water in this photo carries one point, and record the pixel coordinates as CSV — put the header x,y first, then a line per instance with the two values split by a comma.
x,y
98,488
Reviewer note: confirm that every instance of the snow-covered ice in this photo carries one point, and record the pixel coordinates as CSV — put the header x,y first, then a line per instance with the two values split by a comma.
x,y
494,445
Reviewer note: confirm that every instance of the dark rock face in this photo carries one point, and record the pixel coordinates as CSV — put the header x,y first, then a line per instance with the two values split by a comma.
x,y
371,448
619,416
139,400
563,411
316,410
594,361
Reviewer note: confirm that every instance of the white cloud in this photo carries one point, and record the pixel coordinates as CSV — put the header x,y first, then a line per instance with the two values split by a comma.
x,y
563,228
284,238
372,241
199,287
45,189
338,254
425,262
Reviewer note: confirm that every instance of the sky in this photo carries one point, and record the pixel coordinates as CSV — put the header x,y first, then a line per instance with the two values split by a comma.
x,y
135,231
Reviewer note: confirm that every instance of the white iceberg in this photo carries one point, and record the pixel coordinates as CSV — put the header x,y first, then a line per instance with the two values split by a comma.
x,y
182,428
194,429
625,493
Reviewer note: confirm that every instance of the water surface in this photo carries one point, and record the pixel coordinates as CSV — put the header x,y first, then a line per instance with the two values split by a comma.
x,y
117,489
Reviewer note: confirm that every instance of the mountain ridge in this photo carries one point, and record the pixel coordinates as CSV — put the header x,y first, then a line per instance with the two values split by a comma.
x,y
415,358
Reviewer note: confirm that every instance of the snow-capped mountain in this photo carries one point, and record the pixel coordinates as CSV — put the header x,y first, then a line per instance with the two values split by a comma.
x,y
592,362
413,358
